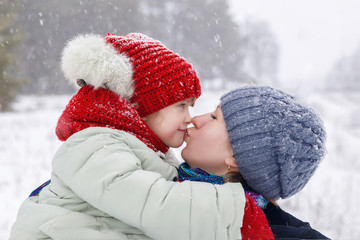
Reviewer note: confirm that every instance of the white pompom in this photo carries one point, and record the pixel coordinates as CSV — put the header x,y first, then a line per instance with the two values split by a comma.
x,y
90,58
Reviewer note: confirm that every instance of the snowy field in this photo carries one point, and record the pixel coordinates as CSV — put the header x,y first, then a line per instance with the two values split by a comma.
x,y
329,202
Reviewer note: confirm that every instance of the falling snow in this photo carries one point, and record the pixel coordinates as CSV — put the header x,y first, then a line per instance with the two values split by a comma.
x,y
328,202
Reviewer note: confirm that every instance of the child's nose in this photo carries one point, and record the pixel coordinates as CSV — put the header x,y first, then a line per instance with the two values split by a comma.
x,y
188,118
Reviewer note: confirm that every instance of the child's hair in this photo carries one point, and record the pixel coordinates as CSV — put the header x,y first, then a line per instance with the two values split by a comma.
x,y
277,142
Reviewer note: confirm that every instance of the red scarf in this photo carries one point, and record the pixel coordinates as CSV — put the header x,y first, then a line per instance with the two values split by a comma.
x,y
100,107
255,225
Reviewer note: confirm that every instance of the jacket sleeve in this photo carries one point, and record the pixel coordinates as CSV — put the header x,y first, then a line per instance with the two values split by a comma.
x,y
286,226
111,178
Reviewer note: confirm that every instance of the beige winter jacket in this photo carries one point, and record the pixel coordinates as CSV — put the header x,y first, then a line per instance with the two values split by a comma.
x,y
106,184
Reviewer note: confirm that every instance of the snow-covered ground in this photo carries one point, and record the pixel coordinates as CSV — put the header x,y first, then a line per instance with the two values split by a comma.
x,y
328,202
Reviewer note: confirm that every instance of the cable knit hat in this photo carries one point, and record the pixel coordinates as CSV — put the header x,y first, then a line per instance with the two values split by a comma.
x,y
135,66
277,142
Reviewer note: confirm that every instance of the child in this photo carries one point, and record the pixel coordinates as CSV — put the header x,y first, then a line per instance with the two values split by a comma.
x,y
263,138
111,178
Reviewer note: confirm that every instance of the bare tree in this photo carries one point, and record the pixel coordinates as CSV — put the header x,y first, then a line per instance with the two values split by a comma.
x,y
201,31
9,39
261,52
345,74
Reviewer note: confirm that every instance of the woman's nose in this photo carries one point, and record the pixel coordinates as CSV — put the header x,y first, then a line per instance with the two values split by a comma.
x,y
199,121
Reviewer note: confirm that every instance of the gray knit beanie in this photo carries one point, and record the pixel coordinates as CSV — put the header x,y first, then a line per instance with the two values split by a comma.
x,y
277,142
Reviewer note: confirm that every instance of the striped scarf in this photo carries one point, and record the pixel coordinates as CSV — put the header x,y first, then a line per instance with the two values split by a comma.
x,y
186,173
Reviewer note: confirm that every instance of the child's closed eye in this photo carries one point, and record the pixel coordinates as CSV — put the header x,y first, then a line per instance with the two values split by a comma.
x,y
182,105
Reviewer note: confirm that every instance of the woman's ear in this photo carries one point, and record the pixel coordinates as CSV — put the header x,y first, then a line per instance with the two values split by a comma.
x,y
230,161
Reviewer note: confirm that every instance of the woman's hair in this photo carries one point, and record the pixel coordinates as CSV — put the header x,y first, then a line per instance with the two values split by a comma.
x,y
234,177
237,177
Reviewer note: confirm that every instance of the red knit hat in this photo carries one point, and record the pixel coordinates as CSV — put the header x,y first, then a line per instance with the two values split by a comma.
x,y
135,66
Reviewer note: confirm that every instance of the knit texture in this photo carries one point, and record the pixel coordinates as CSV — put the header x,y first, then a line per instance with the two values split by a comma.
x,y
100,107
138,68
255,225
161,77
185,172
277,142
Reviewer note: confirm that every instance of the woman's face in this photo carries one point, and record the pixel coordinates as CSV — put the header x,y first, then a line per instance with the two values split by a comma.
x,y
207,143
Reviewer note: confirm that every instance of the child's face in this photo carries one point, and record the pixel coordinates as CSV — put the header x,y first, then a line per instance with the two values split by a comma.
x,y
207,143
170,123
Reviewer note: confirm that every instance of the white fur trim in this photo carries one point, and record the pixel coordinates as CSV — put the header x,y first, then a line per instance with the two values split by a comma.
x,y
90,58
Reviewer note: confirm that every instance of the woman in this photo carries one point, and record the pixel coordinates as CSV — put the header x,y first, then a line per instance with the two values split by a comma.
x,y
263,138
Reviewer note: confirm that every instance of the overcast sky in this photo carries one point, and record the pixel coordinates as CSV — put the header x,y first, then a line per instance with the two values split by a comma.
x,y
312,34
